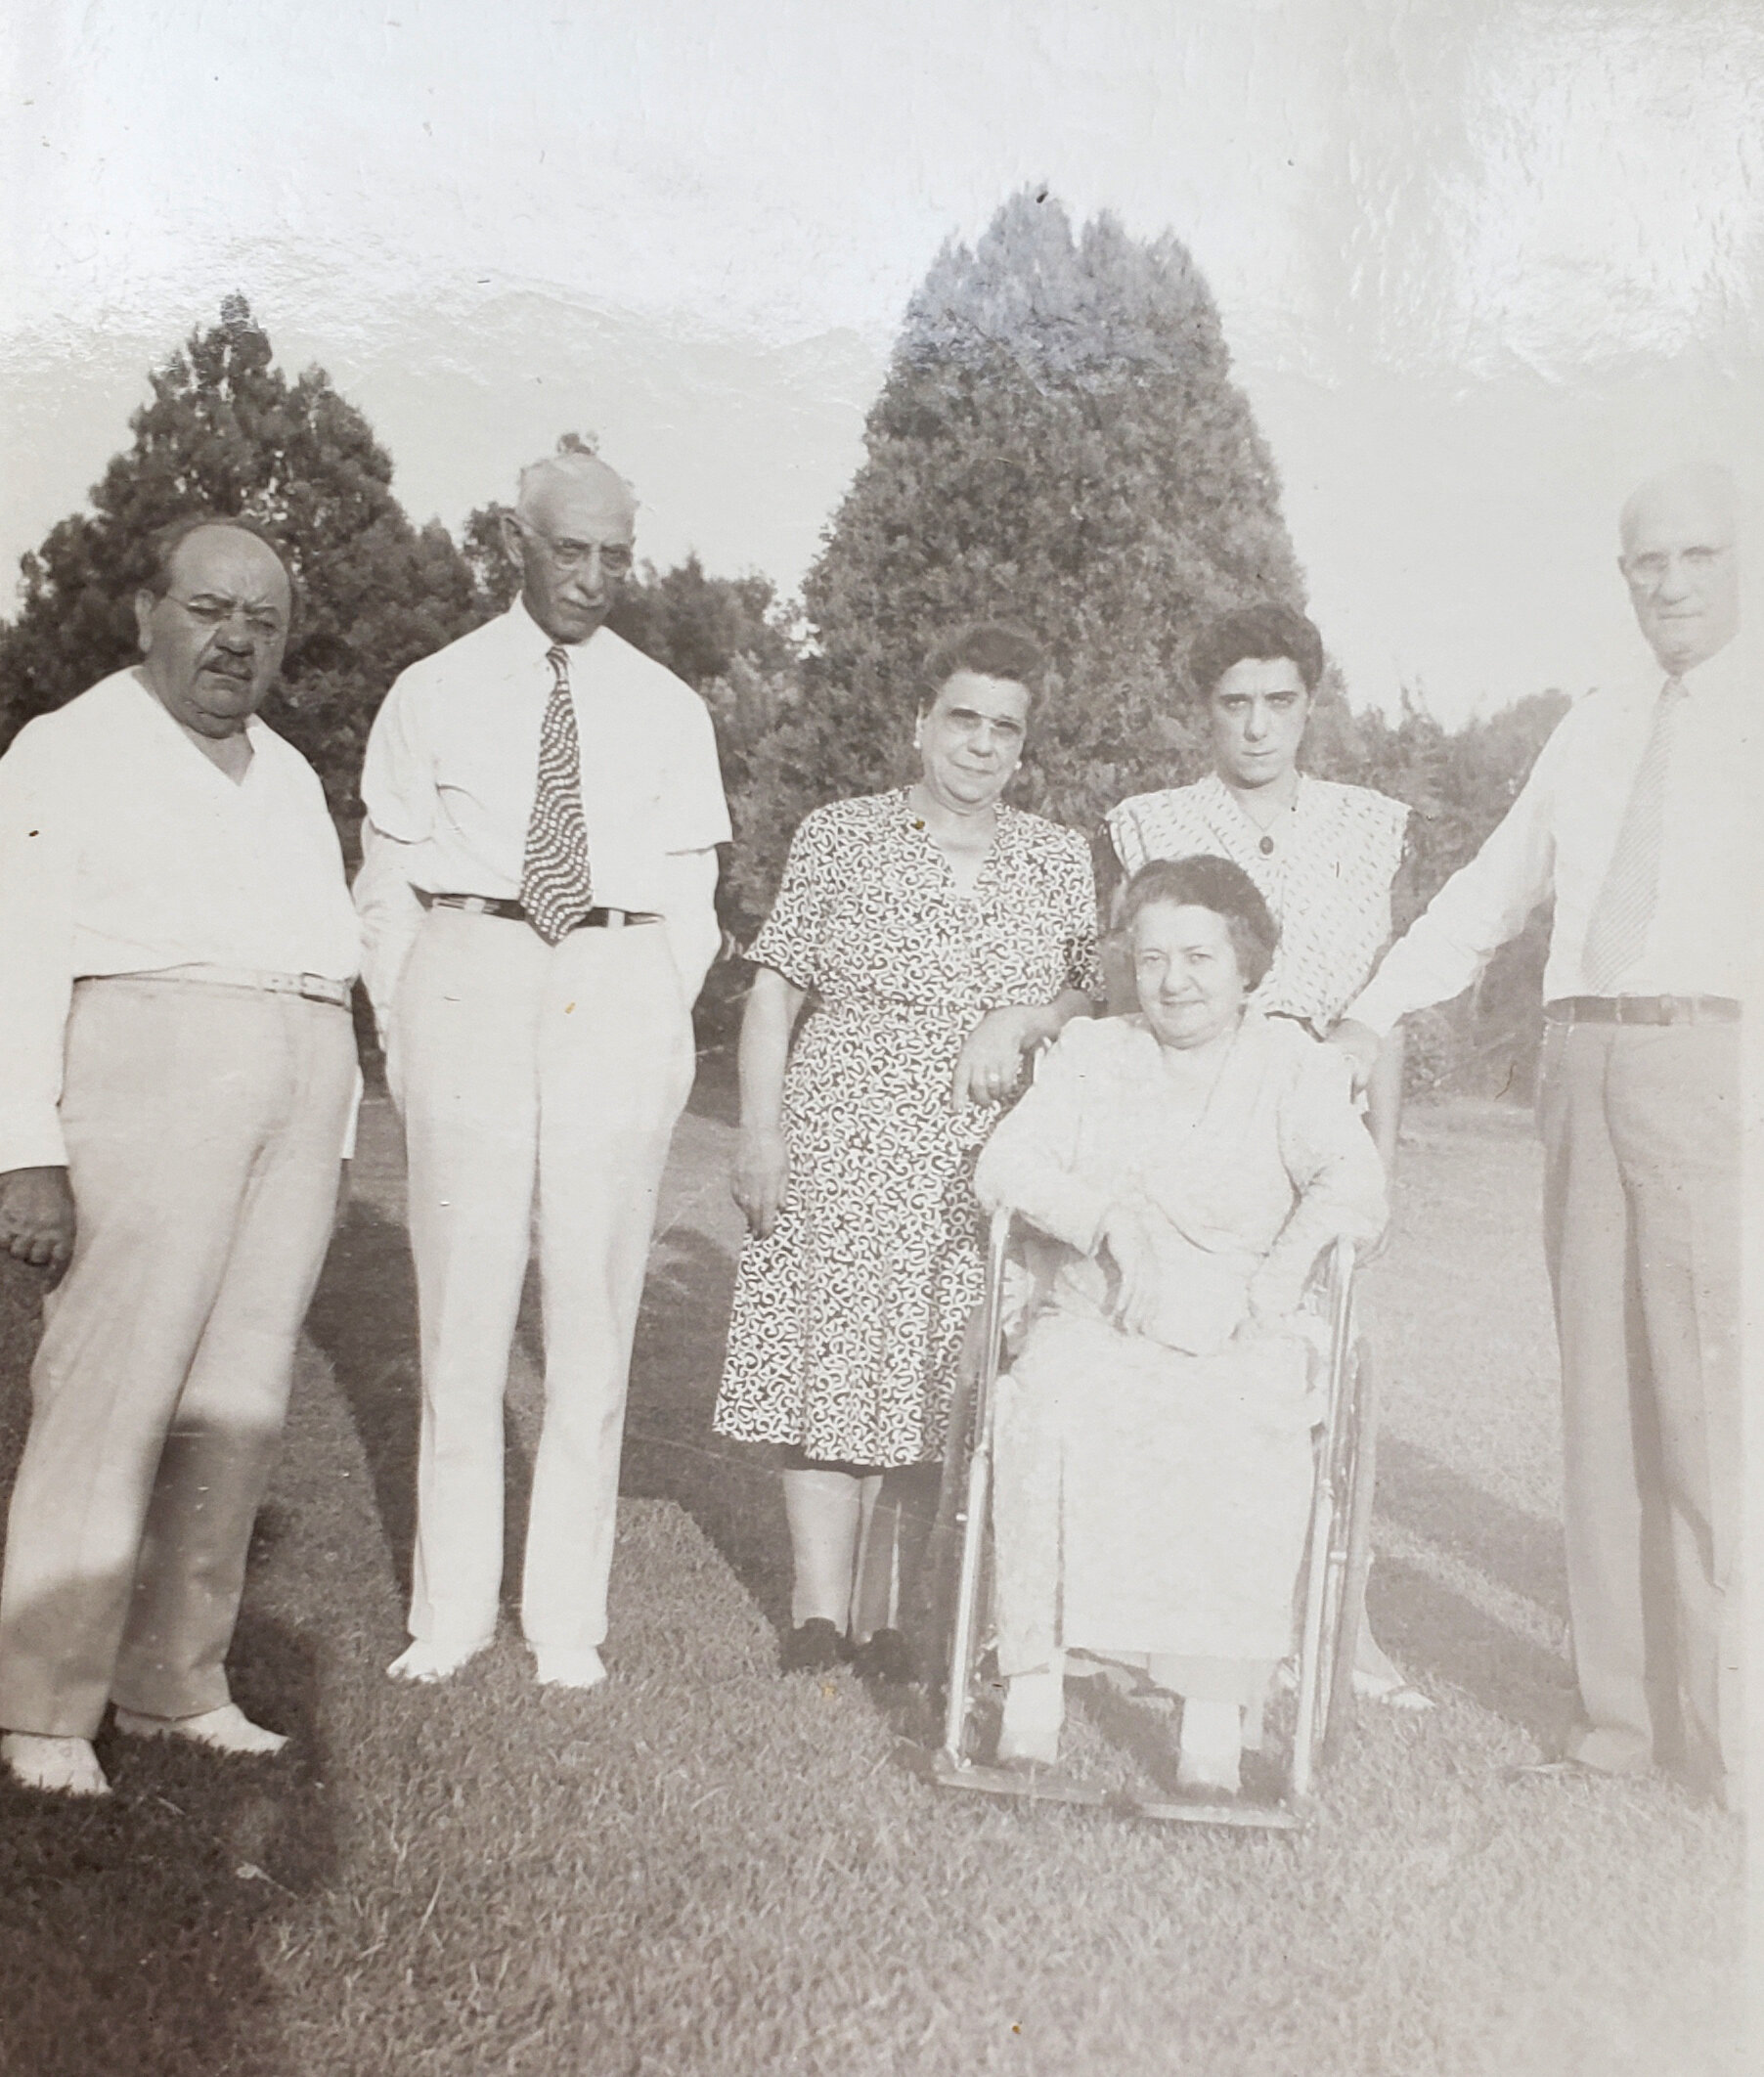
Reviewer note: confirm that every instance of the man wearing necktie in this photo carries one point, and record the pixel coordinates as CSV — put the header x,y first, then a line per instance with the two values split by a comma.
x,y
1632,823
536,892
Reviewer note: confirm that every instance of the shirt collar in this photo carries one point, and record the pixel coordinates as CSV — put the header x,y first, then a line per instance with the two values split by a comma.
x,y
256,727
1720,674
532,635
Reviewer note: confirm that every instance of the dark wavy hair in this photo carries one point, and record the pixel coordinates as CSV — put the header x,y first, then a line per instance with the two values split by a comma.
x,y
1203,882
1263,632
991,649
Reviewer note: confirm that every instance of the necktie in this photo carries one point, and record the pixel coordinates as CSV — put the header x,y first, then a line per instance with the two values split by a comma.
x,y
1617,932
556,887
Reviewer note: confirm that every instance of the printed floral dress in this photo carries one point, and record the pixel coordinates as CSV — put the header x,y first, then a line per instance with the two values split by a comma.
x,y
848,1319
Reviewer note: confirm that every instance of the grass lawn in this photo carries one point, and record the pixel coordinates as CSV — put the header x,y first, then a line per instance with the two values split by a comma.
x,y
704,1869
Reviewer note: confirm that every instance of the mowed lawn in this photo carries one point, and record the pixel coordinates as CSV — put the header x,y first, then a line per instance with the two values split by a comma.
x,y
705,1869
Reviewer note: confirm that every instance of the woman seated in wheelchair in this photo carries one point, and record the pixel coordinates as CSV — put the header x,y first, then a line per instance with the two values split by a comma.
x,y
1153,1463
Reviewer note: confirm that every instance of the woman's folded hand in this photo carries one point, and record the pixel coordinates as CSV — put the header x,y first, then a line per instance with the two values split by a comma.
x,y
1127,1239
762,1169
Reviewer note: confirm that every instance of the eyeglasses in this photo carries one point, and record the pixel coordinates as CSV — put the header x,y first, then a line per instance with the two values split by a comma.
x,y
569,557
1649,570
210,610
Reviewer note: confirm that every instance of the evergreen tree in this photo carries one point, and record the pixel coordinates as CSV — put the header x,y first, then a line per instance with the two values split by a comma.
x,y
699,625
1059,443
227,432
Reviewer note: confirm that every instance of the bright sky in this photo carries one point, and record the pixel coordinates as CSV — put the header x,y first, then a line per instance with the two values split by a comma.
x,y
1482,265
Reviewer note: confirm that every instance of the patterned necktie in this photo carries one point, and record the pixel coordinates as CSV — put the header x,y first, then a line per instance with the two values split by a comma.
x,y
1617,932
556,887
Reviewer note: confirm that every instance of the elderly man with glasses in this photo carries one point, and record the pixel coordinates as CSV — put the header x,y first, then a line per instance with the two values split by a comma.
x,y
1637,822
543,806
177,947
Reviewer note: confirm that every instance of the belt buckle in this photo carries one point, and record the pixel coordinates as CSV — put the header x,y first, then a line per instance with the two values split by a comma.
x,y
1676,1009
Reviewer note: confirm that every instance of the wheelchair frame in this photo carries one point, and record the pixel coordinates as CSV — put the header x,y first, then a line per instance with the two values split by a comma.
x,y
1337,1549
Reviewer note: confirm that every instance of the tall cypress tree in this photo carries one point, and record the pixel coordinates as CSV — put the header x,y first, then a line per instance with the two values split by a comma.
x,y
1058,442
227,432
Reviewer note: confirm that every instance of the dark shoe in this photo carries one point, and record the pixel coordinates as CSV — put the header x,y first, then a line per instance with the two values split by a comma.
x,y
812,1647
887,1658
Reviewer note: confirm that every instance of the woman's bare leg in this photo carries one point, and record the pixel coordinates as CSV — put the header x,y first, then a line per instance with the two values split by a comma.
x,y
825,1510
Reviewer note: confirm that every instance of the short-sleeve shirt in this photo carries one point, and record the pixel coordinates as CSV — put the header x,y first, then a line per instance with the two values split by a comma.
x,y
1327,878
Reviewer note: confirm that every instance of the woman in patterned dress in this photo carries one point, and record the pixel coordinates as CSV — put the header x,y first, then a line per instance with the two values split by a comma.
x,y
1322,856
940,937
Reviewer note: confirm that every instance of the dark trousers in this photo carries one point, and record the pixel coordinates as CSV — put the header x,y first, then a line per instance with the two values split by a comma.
x,y
1641,1130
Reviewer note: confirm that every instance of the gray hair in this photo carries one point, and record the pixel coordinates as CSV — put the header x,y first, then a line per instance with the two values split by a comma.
x,y
574,465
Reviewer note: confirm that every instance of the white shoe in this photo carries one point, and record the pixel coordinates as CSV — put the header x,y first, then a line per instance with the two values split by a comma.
x,y
227,1729
1035,1707
1209,1757
561,1668
427,1662
1208,1777
64,1766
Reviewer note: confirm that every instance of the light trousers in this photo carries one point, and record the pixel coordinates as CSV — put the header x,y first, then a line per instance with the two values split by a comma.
x,y
204,1128
1641,1129
540,1087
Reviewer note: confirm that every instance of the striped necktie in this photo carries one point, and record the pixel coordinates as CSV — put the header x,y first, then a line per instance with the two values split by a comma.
x,y
556,887
1617,932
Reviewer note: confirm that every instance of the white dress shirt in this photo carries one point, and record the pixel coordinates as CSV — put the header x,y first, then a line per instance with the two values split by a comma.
x,y
123,850
1558,838
453,764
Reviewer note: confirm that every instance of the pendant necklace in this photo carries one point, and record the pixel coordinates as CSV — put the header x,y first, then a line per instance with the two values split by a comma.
x,y
1265,841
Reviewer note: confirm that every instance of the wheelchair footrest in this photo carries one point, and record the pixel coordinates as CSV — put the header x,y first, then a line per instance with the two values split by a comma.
x,y
1050,1785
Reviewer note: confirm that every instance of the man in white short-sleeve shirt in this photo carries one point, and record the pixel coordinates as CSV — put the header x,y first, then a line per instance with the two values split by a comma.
x,y
1635,820
177,946
537,891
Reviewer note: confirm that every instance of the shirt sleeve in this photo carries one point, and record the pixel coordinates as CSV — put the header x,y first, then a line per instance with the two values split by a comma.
x,y
688,906
398,774
1479,908
790,937
1124,835
1392,839
397,791
39,872
391,915
697,813
1335,1173
1029,1163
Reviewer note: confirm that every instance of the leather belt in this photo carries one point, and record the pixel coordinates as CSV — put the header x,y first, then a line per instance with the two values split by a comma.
x,y
311,988
514,913
1643,1009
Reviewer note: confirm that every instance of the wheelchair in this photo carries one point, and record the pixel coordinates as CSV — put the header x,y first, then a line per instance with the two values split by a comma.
x,y
1328,1597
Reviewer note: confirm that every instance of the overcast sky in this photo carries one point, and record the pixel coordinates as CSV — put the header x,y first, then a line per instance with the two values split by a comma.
x,y
1482,263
